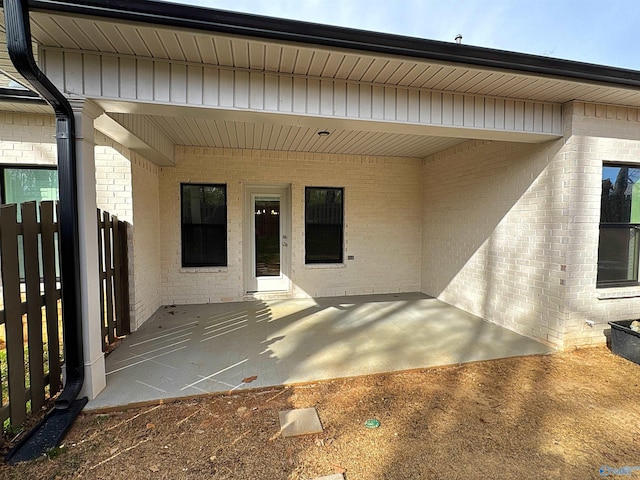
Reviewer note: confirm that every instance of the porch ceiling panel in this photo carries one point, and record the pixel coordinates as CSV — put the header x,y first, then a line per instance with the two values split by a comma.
x,y
220,133
243,129
71,32
25,108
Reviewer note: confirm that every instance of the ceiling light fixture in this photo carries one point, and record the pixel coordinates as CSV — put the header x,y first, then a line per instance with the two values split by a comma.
x,y
324,133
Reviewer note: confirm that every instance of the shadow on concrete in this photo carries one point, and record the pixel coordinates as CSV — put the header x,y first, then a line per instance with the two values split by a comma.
x,y
197,349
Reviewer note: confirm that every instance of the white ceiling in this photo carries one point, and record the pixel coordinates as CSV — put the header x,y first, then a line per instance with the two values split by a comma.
x,y
206,132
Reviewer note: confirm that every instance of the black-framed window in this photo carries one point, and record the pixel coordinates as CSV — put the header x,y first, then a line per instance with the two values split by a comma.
x,y
324,225
28,183
618,246
23,183
204,224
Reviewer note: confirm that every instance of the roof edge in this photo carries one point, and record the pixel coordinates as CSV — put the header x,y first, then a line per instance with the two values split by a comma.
x,y
21,96
221,21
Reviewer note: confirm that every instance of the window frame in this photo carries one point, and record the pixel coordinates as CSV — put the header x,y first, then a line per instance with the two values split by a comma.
x,y
12,166
225,261
340,260
3,201
618,225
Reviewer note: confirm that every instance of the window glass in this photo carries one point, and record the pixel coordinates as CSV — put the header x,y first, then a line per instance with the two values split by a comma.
x,y
618,255
324,230
267,236
620,195
619,222
204,225
28,184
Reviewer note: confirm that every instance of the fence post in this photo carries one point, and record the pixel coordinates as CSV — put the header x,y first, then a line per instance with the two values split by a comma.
x,y
124,321
117,286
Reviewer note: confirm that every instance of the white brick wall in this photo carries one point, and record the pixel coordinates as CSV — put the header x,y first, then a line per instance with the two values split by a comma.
x,y
599,133
493,233
511,230
145,299
27,139
119,172
382,221
113,178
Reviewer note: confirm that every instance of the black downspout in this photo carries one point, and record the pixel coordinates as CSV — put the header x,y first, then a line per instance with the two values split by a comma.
x,y
18,31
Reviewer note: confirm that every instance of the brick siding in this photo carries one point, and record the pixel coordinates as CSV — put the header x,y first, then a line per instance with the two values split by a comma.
x,y
382,221
506,231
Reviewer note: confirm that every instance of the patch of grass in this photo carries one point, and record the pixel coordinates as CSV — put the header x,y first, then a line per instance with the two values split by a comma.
x,y
102,418
12,431
56,452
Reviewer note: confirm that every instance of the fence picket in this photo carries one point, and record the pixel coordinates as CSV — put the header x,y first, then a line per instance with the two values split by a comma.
x,y
13,313
109,277
102,277
34,304
115,230
117,286
40,288
51,294
122,281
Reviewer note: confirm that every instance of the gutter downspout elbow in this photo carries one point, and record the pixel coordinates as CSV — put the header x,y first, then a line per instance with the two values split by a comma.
x,y
18,32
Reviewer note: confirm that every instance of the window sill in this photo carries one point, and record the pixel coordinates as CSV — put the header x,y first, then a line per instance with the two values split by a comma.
x,y
324,266
202,269
617,293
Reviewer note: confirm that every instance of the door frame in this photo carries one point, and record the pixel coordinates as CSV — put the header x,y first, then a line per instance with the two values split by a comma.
x,y
250,283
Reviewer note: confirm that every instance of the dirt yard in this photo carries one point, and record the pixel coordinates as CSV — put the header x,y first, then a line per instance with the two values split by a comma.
x,y
567,415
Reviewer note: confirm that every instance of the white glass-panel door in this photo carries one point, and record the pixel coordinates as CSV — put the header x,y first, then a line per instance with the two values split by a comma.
x,y
267,237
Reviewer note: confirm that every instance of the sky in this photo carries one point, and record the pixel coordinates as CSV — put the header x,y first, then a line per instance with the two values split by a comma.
x,y
605,32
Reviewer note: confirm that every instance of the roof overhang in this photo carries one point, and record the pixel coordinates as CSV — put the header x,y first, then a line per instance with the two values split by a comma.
x,y
255,26
250,43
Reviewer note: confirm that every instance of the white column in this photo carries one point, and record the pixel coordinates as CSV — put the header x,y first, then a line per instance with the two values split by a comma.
x,y
85,113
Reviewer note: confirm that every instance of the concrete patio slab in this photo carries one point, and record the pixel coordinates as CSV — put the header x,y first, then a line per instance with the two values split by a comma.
x,y
187,350
299,421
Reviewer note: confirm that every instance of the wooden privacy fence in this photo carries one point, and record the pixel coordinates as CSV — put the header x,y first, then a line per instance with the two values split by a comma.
x,y
114,278
30,312
29,320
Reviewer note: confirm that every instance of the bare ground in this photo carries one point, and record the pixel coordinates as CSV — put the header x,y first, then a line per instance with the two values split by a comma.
x,y
559,416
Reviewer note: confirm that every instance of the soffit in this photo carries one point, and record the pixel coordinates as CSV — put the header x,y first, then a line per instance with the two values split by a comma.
x,y
5,62
191,46
141,40
275,136
184,125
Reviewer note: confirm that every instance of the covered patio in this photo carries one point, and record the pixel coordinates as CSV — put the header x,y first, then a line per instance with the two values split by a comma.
x,y
188,350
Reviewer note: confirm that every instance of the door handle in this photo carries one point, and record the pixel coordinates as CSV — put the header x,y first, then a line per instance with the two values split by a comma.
x,y
284,244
